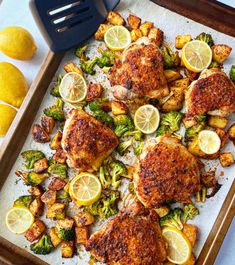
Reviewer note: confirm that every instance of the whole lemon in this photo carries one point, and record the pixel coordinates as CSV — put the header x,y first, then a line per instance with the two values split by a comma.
x,y
7,115
17,43
13,85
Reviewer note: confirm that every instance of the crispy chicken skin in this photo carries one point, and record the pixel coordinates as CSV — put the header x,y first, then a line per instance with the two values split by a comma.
x,y
166,171
86,141
141,70
129,239
212,93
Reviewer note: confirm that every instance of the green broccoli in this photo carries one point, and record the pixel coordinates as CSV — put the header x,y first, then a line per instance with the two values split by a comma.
x,y
201,118
104,177
163,130
172,120
190,211
118,170
55,89
138,135
109,205
31,178
103,116
24,201
59,170
170,59
172,219
106,59
131,188
31,156
56,111
193,131
88,66
214,64
80,52
232,73
123,123
43,246
63,197
93,208
95,105
123,146
66,234
207,38
139,148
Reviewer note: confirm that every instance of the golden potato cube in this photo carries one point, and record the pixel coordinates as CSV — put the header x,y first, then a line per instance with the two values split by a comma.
x,y
181,40
36,229
226,159
189,122
83,218
157,35
134,21
162,211
55,240
95,90
56,211
184,83
49,197
66,223
115,19
231,132
223,135
136,34
175,102
145,28
194,148
36,207
67,249
82,234
72,67
119,107
217,122
40,165
47,123
60,156
66,187
36,191
191,233
220,52
56,141
172,75
99,35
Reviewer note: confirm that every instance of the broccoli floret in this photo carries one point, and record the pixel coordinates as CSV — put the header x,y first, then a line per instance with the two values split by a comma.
x,y
95,105
59,170
193,131
172,219
138,135
31,156
139,148
170,59
104,177
163,130
34,179
131,188
56,111
80,52
232,73
43,246
123,146
108,207
106,59
123,123
55,90
63,197
190,211
214,64
94,208
24,201
172,120
103,116
118,170
88,66
201,118
207,38
66,234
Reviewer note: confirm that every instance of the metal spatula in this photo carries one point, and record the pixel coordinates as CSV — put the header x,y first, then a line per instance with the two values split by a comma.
x,y
68,23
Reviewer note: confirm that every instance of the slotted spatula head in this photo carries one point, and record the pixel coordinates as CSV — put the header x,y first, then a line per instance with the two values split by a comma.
x,y
68,23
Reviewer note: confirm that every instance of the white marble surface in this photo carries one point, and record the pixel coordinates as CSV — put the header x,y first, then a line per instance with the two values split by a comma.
x,y
14,12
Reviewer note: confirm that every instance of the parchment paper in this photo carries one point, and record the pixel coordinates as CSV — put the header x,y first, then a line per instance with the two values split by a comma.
x,y
172,24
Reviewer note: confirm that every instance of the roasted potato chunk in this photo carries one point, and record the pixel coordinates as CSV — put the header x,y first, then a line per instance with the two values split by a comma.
x,y
226,159
194,148
66,223
39,134
136,34
47,123
189,121
94,91
119,107
82,234
223,135
56,184
36,191
55,240
220,52
56,141
217,122
36,207
157,35
115,19
99,35
145,28
162,211
231,132
172,75
133,21
67,249
56,211
83,218
191,233
184,83
72,67
40,165
175,102
34,232
49,197
181,40
60,156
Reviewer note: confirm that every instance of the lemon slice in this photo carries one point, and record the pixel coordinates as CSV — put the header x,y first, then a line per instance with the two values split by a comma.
x,y
85,188
147,119
209,142
73,87
179,247
117,38
19,220
196,55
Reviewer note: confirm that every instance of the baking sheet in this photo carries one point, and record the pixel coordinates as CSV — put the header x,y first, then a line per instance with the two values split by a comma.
x,y
172,24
